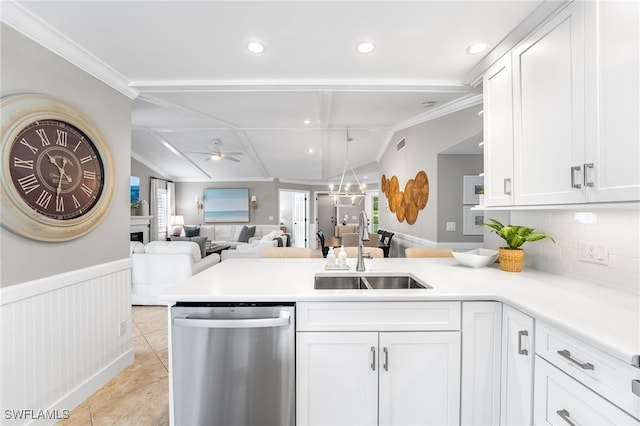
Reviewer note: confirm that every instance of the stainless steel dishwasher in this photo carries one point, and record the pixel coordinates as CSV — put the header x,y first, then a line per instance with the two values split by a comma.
x,y
233,364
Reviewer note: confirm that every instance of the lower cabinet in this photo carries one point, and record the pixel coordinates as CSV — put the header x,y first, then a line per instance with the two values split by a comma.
x,y
561,400
516,398
371,378
481,343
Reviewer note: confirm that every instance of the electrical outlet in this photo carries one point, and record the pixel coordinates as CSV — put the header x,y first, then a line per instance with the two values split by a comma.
x,y
451,226
122,330
593,252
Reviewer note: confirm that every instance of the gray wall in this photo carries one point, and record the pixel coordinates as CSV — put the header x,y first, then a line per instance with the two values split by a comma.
x,y
26,67
451,169
145,174
423,143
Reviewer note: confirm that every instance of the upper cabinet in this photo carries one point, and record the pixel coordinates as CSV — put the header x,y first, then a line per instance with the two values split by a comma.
x,y
573,106
498,130
611,171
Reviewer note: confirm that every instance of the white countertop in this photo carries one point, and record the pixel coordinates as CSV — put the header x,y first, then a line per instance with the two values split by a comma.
x,y
605,318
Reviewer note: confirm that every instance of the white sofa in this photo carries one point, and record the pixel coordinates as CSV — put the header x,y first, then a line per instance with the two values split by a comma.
x,y
229,234
159,265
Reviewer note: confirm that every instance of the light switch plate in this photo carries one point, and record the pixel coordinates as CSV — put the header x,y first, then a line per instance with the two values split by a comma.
x,y
451,226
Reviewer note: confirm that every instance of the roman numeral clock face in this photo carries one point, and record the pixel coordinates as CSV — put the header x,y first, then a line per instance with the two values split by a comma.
x,y
58,176
56,169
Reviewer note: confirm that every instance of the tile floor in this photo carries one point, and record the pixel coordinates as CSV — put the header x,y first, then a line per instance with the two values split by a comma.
x,y
139,395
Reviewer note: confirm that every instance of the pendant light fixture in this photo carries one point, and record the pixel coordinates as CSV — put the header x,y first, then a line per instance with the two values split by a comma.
x,y
343,196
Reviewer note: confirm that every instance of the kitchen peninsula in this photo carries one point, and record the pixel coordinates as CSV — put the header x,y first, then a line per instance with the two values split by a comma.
x,y
475,318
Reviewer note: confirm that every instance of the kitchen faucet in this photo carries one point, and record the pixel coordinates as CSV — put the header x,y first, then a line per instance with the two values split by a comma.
x,y
363,235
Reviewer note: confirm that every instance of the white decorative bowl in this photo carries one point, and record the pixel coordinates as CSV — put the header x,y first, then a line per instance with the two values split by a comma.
x,y
476,258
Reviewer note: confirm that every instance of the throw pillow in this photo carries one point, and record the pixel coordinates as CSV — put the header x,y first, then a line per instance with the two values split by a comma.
x,y
202,242
192,231
246,233
176,231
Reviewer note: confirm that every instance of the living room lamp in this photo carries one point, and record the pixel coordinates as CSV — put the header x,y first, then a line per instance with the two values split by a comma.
x,y
199,205
176,222
254,202
343,197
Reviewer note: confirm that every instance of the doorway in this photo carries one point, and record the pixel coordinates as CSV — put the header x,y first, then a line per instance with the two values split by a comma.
x,y
326,215
294,208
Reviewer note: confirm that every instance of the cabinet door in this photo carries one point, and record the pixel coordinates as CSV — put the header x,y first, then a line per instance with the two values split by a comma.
x,y
562,401
548,73
336,378
498,134
517,368
419,378
613,128
481,347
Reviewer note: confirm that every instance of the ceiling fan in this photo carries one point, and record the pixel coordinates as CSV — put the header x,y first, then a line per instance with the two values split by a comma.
x,y
217,154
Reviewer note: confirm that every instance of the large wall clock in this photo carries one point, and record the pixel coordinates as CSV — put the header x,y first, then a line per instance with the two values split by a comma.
x,y
57,172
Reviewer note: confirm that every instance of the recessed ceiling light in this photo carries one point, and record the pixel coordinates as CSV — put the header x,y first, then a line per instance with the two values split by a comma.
x,y
255,47
365,47
307,121
310,150
476,48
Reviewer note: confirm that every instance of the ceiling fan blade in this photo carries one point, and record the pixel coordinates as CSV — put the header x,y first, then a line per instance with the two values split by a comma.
x,y
233,153
230,159
197,152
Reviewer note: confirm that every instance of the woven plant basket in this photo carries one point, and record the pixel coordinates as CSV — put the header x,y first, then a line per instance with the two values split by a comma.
x,y
510,259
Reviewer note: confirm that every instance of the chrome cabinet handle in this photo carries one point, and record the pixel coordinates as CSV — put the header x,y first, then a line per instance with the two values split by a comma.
x,y
586,180
373,358
584,365
575,169
504,186
564,414
521,334
635,387
386,359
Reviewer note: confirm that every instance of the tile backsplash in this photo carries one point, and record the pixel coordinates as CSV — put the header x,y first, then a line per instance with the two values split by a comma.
x,y
618,229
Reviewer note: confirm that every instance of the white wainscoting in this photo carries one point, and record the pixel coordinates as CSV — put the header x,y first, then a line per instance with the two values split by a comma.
x,y
60,340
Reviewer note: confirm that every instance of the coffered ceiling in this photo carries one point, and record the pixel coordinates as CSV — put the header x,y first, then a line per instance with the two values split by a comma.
x,y
287,109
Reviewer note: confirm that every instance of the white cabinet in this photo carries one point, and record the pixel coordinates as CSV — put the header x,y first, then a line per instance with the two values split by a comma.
x,y
371,377
498,133
611,171
481,340
549,111
337,378
354,378
562,401
573,107
517,368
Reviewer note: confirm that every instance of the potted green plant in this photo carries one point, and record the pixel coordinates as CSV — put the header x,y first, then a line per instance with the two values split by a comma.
x,y
511,257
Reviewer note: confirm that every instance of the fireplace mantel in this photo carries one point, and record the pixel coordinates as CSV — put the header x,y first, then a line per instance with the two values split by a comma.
x,y
141,224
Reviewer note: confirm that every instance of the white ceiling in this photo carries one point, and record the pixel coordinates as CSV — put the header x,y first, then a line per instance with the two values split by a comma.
x,y
193,79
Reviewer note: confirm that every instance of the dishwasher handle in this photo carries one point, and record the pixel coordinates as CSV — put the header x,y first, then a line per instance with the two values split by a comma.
x,y
280,321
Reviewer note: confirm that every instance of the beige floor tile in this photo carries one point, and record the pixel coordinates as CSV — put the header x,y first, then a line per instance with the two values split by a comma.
x,y
139,395
80,416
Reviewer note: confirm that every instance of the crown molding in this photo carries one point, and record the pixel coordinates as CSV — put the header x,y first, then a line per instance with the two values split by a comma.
x,y
22,20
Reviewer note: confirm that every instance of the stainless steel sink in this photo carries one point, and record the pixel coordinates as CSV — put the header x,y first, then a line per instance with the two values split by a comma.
x,y
342,282
395,282
368,282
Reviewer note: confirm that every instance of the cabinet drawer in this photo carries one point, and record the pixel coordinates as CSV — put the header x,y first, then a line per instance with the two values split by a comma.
x,y
604,374
560,400
377,316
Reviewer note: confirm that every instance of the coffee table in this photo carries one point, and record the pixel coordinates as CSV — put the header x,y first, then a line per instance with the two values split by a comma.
x,y
217,249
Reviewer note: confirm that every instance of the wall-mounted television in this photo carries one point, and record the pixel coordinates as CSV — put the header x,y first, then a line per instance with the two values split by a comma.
x,y
226,205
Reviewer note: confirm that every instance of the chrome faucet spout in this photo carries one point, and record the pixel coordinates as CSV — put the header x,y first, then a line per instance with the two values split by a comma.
x,y
363,235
